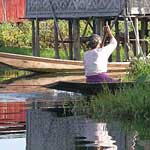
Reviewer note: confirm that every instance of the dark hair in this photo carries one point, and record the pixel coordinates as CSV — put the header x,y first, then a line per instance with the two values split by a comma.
x,y
94,40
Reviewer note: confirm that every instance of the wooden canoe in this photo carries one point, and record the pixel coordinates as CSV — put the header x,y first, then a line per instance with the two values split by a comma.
x,y
39,64
88,88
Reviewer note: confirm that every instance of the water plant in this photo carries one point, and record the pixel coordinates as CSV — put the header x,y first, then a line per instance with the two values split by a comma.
x,y
141,127
140,70
131,103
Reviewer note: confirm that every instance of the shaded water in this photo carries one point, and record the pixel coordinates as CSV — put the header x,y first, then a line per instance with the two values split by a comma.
x,y
44,119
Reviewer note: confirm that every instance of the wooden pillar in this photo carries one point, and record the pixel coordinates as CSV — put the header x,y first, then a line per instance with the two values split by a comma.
x,y
126,39
70,39
37,44
101,26
118,41
136,22
98,25
143,36
76,39
94,26
109,23
33,37
56,42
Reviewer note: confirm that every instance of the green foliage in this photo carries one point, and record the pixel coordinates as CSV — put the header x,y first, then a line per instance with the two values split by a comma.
x,y
140,70
47,33
125,103
20,35
17,38
139,127
15,35
129,103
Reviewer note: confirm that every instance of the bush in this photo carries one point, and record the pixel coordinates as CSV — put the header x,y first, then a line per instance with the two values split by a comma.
x,y
15,35
140,70
20,35
125,103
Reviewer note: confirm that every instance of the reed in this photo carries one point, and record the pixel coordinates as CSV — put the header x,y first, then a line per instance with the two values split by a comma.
x,y
140,70
126,103
129,103
139,127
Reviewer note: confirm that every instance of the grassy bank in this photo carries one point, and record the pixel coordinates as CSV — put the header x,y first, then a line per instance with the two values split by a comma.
x,y
140,69
129,103
49,53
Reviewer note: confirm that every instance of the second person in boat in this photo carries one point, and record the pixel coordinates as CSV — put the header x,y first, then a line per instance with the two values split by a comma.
x,y
96,59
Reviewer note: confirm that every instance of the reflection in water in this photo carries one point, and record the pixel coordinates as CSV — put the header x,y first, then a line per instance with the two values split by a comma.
x,y
7,73
15,142
48,129
12,117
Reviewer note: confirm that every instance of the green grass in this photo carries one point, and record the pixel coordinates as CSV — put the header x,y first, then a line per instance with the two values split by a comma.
x,y
129,103
140,70
22,51
49,53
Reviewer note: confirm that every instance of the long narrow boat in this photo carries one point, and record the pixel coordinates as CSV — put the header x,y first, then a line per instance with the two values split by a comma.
x,y
89,88
39,64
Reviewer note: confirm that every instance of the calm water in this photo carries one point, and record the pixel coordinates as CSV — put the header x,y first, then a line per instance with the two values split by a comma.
x,y
39,119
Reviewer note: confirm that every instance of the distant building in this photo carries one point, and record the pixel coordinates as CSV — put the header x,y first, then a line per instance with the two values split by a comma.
x,y
12,10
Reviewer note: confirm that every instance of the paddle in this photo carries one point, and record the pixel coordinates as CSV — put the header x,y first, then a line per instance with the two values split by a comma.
x,y
111,26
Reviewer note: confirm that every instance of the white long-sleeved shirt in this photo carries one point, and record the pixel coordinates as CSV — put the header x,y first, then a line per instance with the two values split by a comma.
x,y
95,60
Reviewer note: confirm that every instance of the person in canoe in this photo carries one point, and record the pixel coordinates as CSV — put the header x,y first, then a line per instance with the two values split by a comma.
x,y
96,59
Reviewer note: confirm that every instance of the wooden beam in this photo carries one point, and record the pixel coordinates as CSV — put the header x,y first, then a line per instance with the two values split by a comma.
x,y
56,42
118,41
126,38
70,39
136,22
86,26
144,45
98,25
76,39
37,44
33,37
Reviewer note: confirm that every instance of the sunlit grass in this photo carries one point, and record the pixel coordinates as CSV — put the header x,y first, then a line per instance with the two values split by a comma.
x,y
48,53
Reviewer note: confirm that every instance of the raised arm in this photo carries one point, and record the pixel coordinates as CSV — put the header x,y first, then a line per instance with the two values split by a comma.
x,y
113,42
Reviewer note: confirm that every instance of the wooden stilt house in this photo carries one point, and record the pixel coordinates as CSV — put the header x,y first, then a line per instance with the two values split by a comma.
x,y
98,11
94,12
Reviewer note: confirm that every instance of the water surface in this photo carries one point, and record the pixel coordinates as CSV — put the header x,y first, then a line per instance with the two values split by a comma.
x,y
35,118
